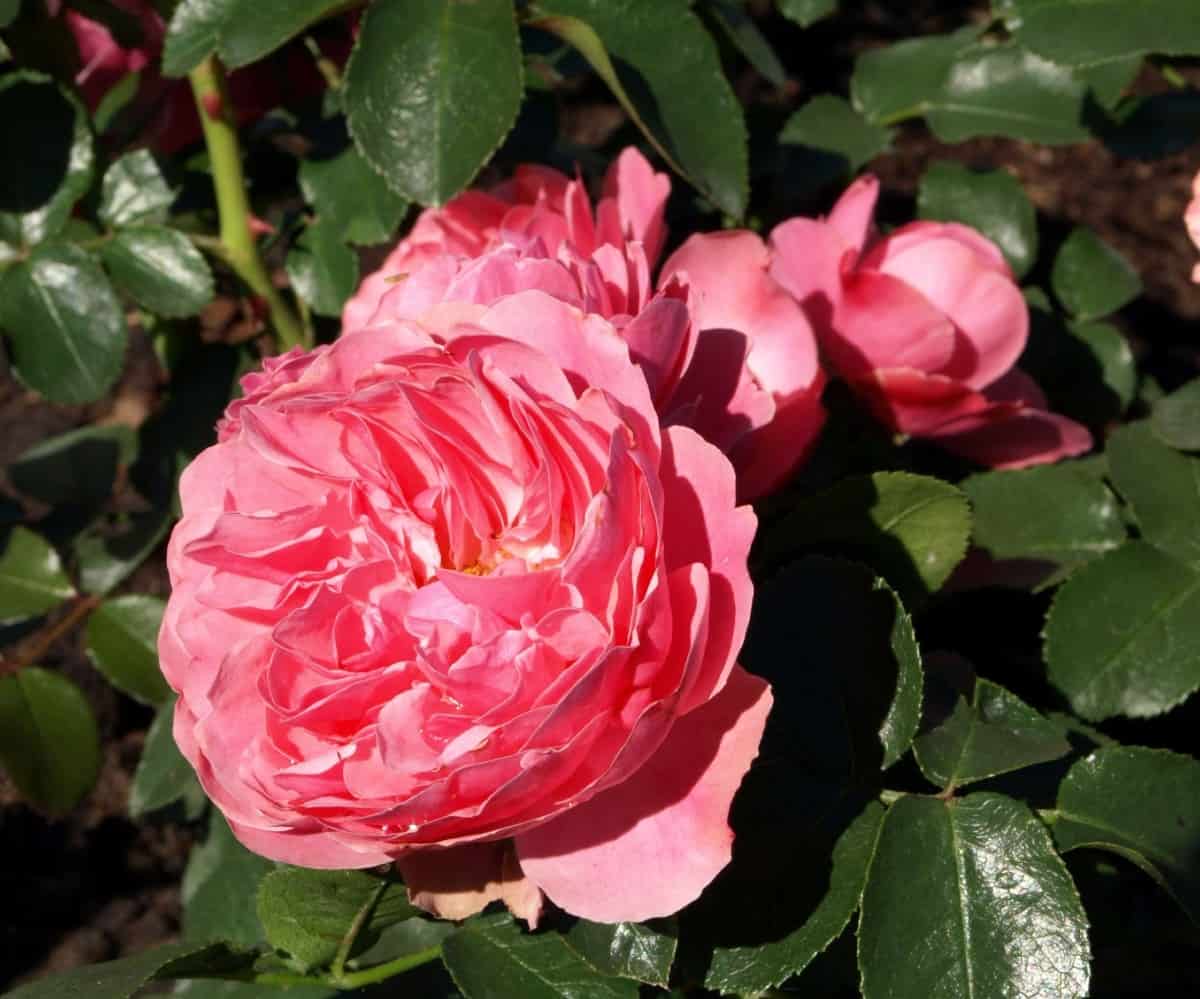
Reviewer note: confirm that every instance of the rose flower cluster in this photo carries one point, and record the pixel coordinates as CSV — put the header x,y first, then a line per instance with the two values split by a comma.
x,y
465,589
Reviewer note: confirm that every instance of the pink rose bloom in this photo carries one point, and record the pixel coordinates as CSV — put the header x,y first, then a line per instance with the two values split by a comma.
x,y
925,325
1191,218
445,593
725,349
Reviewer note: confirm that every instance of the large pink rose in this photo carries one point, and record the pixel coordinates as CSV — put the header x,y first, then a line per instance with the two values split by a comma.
x,y
1191,218
726,350
444,593
926,324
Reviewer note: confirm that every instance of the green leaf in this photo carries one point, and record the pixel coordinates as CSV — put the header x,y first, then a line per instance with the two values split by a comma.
x,y
77,468
219,888
48,118
1109,81
32,580
49,743
896,81
123,978
212,988
162,776
122,642
1117,366
1145,658
108,550
322,269
912,529
160,268
193,33
491,957
1056,513
1143,804
967,897
750,970
992,201
9,9
254,29
677,93
67,327
838,647
307,913
1089,32
1162,488
133,190
806,12
1090,278
432,88
741,30
995,734
1176,418
626,950
828,140
348,194
409,936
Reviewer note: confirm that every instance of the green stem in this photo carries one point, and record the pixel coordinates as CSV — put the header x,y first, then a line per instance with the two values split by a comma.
x,y
338,969
904,114
382,972
238,248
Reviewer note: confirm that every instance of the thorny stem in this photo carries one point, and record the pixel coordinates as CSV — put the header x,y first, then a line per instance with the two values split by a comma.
x,y
237,247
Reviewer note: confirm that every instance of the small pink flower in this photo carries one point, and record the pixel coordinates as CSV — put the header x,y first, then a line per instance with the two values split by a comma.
x,y
444,593
926,324
1191,219
725,350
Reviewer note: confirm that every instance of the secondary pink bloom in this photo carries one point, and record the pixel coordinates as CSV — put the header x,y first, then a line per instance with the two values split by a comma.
x,y
444,593
726,351
1191,218
925,324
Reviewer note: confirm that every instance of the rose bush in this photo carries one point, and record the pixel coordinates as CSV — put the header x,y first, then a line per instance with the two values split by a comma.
x,y
725,349
444,593
926,325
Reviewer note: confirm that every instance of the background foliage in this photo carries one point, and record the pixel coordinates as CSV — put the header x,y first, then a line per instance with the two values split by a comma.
x,y
979,776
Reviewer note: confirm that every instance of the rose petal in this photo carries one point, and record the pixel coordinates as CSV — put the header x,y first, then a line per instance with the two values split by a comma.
x,y
460,881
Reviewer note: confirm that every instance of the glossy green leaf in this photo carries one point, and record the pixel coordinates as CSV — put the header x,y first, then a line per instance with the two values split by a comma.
x,y
968,898
741,30
307,913
828,139
626,950
109,549
322,269
432,88
896,81
750,970
409,936
1162,488
133,190
1088,32
992,201
1176,418
32,580
49,157
912,529
162,776
67,328
1145,658
49,742
1057,513
193,33
219,888
76,468
160,268
1143,804
806,12
126,976
122,642
994,734
492,957
827,633
682,100
1111,350
1090,278
1108,82
347,193
254,29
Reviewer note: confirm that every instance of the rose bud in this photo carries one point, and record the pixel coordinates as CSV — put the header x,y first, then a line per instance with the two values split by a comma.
x,y
926,325
444,593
